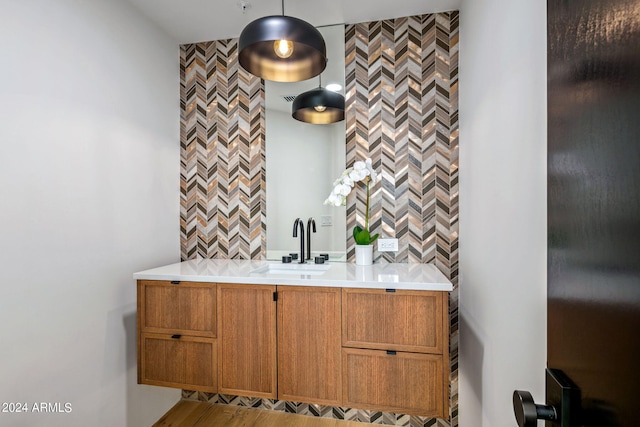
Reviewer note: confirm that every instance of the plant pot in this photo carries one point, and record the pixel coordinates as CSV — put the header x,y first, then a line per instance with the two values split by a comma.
x,y
364,254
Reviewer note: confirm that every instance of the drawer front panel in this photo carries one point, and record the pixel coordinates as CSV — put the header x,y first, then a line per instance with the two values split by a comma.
x,y
402,320
186,308
408,383
185,362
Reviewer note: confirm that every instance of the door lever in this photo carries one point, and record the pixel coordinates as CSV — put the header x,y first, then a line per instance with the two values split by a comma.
x,y
562,396
528,412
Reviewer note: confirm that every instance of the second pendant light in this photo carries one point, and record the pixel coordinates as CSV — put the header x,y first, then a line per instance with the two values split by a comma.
x,y
318,106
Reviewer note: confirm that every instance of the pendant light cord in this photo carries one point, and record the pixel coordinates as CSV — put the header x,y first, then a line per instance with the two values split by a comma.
x,y
282,7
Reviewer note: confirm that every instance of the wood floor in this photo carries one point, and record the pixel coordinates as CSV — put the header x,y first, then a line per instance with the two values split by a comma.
x,y
187,413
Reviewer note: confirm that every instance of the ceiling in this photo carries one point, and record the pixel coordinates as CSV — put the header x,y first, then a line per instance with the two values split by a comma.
x,y
190,21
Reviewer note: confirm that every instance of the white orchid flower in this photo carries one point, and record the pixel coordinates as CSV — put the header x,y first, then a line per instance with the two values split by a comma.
x,y
335,200
348,181
342,189
361,171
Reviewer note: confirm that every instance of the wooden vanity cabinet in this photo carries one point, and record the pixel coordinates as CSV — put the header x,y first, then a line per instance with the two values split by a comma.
x,y
247,342
395,351
177,334
309,349
384,350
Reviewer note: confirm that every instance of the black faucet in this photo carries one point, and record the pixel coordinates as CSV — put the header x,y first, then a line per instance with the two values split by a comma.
x,y
296,224
310,223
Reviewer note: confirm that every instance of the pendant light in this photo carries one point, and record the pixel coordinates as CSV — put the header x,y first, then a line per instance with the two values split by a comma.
x,y
318,106
282,49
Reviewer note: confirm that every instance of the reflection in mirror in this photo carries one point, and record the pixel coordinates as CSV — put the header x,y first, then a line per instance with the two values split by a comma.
x,y
302,161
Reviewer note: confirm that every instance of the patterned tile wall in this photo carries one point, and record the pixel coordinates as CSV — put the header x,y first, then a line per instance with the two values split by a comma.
x,y
402,110
314,410
222,160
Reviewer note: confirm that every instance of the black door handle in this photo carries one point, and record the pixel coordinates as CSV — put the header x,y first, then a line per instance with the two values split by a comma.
x,y
562,398
528,412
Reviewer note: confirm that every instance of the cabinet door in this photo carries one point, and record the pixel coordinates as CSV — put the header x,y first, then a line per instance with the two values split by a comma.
x,y
177,308
247,340
407,383
309,347
178,361
400,320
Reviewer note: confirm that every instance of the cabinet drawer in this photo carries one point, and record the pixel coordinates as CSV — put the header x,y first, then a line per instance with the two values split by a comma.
x,y
401,320
408,383
185,362
184,308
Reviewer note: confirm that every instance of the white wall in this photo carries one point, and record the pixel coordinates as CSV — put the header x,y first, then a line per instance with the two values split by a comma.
x,y
502,207
89,183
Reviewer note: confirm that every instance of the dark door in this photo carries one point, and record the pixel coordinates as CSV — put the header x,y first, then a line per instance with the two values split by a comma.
x,y
593,329
593,284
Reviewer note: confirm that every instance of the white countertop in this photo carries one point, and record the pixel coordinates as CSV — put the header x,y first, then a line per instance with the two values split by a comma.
x,y
424,277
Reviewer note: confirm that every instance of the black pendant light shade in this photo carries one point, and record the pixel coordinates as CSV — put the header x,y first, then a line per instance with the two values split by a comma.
x,y
282,49
318,106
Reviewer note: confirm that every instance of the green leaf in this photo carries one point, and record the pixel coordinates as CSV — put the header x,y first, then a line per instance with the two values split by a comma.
x,y
356,230
362,237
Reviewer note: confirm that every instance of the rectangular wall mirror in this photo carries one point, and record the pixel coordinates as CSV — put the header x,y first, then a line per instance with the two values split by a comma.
x,y
303,160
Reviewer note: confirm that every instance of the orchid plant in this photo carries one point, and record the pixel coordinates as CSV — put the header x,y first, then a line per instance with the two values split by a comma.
x,y
362,171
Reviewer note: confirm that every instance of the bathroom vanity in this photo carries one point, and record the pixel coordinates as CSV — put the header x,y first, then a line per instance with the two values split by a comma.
x,y
369,337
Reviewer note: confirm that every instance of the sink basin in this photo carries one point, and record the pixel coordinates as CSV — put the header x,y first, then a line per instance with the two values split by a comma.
x,y
295,269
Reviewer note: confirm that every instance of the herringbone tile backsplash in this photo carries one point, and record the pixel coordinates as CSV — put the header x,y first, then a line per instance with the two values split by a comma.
x,y
401,110
222,163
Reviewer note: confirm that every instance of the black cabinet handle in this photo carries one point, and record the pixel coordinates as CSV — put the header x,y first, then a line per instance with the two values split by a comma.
x,y
176,336
175,282
391,352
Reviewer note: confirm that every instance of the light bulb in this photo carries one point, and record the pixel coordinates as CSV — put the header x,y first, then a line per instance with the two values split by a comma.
x,y
319,108
283,48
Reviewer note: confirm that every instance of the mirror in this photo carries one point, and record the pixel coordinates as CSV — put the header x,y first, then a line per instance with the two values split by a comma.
x,y
303,160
